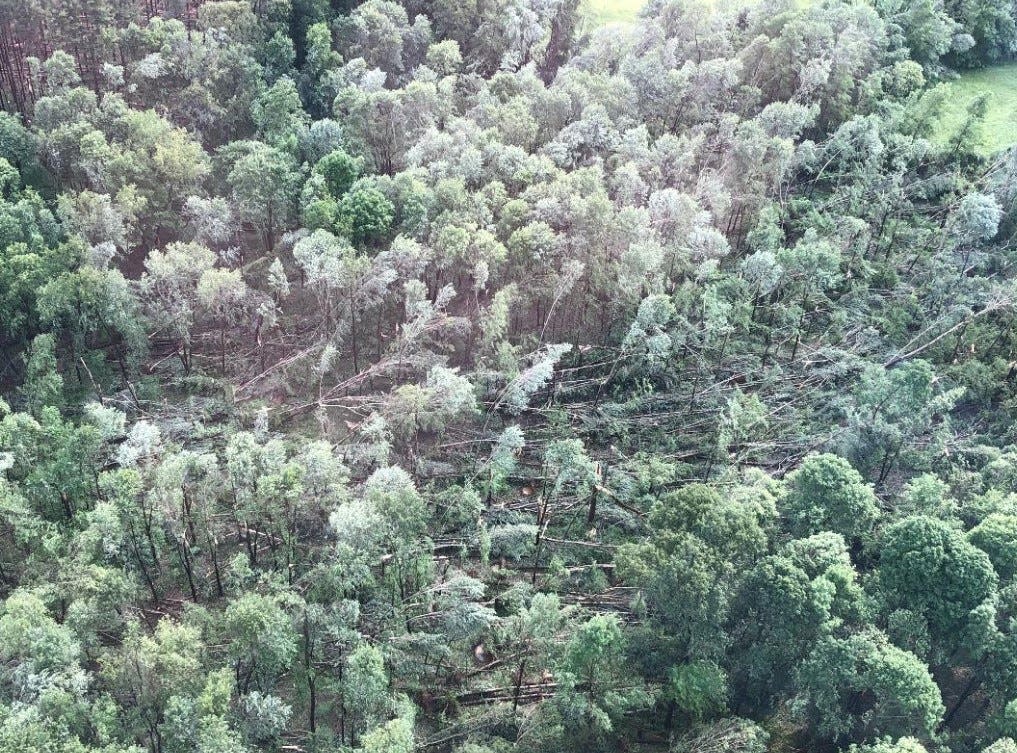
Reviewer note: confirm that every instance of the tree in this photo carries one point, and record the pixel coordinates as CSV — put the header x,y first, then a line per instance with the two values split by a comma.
x,y
322,138
31,255
648,334
731,734
380,32
264,717
777,616
699,690
94,314
568,469
43,384
533,631
339,170
222,294
263,181
279,115
444,398
395,736
50,453
278,56
327,634
893,409
365,215
989,29
382,124
162,162
503,458
996,535
1003,745
445,57
171,285
595,689
899,693
929,30
521,389
336,270
364,692
38,653
888,745
147,672
104,221
260,640
393,495
688,565
929,566
827,494
318,80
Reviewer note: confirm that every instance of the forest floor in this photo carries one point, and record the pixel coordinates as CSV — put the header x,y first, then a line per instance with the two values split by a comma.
x,y
1000,81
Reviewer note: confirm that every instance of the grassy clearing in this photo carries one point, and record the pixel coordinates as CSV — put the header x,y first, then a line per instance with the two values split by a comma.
x,y
615,11
1000,129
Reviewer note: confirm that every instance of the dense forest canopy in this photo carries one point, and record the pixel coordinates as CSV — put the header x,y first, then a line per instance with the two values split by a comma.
x,y
470,376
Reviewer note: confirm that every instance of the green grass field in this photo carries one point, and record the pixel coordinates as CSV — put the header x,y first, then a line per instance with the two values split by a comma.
x,y
614,11
1000,129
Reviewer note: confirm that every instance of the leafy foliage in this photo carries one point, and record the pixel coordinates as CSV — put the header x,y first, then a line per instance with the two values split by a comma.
x,y
466,376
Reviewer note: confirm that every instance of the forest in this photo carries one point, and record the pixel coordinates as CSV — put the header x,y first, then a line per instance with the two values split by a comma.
x,y
508,376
